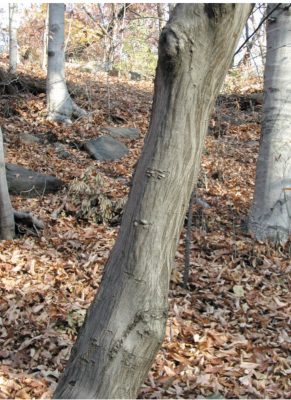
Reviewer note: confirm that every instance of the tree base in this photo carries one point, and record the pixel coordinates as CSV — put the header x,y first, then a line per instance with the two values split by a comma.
x,y
66,118
270,233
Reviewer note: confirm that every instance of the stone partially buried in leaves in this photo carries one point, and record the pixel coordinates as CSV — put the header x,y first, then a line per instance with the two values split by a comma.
x,y
106,148
28,183
128,133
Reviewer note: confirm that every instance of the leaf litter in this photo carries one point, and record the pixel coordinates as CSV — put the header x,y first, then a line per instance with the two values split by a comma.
x,y
228,333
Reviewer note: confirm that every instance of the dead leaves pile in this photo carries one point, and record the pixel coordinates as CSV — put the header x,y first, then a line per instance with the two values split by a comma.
x,y
227,335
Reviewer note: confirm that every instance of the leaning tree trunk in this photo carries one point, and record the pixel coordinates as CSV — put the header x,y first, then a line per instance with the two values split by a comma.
x,y
60,105
13,50
270,216
7,225
125,324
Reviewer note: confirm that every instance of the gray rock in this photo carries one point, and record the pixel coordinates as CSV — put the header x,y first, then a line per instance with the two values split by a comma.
x,y
114,72
201,203
61,151
28,183
69,64
91,66
27,138
135,76
106,148
258,98
252,143
231,119
130,133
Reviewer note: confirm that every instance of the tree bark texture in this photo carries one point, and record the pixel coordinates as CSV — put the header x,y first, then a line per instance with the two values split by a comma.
x,y
13,50
270,216
60,105
7,225
125,324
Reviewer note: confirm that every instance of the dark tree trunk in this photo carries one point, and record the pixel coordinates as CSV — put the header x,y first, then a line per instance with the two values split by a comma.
x,y
125,324
7,83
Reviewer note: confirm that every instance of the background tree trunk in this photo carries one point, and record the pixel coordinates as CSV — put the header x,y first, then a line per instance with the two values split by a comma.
x,y
125,324
162,15
13,48
246,57
7,225
60,105
45,40
270,216
171,7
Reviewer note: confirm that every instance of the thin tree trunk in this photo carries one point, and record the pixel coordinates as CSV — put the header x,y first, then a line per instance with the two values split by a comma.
x,y
60,105
112,32
13,50
162,19
246,57
125,324
69,32
45,40
7,225
261,40
171,7
270,216
120,51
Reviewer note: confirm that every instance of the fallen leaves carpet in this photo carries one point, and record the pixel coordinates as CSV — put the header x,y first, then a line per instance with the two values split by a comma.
x,y
228,333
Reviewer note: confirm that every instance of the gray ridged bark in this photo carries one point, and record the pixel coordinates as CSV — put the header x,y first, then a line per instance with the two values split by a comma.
x,y
7,224
60,105
125,324
270,216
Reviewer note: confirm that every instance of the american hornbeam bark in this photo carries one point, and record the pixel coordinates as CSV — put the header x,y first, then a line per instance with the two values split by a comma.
x,y
60,105
270,216
124,326
7,225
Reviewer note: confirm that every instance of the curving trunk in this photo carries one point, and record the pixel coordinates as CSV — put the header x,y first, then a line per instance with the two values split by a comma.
x,y
125,324
13,48
7,225
60,105
270,216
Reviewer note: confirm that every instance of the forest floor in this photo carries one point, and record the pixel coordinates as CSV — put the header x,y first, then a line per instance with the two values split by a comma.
x,y
227,334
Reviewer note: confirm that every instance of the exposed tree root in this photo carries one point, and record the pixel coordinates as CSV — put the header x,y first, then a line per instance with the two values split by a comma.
x,y
76,112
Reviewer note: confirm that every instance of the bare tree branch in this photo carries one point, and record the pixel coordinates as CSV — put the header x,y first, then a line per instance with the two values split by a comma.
x,y
258,27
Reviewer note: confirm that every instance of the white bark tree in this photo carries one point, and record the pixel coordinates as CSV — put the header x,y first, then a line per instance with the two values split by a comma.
x,y
13,47
270,217
60,105
125,324
7,225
